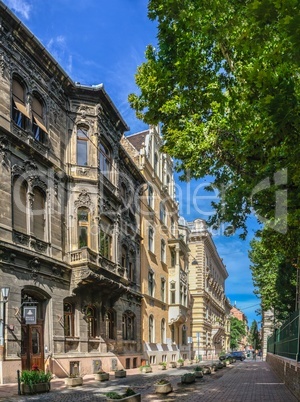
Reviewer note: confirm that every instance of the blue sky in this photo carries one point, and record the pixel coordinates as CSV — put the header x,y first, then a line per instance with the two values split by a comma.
x,y
100,41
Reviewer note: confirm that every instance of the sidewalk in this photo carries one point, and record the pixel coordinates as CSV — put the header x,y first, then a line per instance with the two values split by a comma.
x,y
247,381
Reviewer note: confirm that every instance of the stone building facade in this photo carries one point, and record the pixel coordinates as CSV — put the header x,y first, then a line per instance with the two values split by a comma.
x,y
70,219
164,254
210,311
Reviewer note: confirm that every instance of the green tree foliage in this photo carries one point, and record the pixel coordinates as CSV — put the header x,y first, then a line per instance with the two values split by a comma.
x,y
224,85
254,336
237,331
274,275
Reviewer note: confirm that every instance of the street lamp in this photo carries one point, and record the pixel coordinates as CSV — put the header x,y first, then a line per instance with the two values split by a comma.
x,y
4,294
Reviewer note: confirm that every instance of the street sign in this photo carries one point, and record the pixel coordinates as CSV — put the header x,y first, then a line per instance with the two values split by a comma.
x,y
29,314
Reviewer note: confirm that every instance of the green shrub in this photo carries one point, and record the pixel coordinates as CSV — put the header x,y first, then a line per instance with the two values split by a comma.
x,y
32,377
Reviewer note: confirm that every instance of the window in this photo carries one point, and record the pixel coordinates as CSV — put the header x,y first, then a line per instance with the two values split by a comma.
x,y
123,192
168,184
68,319
184,335
105,238
91,321
163,331
38,124
131,265
185,296
172,293
19,112
151,329
83,227
105,163
20,205
172,227
128,320
150,196
162,212
38,212
163,290
151,283
151,239
173,257
181,294
155,165
163,251
110,321
82,147
173,338
124,258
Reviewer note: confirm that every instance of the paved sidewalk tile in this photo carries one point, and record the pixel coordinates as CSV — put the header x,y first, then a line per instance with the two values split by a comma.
x,y
247,381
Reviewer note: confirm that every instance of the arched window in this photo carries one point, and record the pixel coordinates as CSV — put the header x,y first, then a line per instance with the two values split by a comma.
x,y
110,319
38,123
91,321
82,146
163,331
20,211
38,211
106,230
68,319
151,329
128,322
83,227
19,112
105,163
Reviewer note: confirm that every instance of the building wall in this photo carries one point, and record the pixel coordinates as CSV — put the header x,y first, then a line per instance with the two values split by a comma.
x,y
207,275
59,188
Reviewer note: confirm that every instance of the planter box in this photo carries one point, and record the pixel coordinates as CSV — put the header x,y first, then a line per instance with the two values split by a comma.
x,y
132,398
198,374
188,379
163,388
73,382
146,369
120,373
161,367
102,376
172,365
35,389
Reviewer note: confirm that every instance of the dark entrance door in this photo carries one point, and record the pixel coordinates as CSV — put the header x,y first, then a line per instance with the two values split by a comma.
x,y
32,351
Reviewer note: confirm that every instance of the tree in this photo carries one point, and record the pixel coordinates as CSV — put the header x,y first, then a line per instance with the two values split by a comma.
x,y
274,272
224,85
237,331
254,336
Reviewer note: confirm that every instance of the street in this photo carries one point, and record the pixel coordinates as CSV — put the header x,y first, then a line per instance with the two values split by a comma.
x,y
242,381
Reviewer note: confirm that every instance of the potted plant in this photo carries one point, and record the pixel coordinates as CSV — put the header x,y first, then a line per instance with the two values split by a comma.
x,y
214,367
129,396
220,365
120,373
172,365
206,370
35,381
101,376
187,378
74,380
180,362
146,368
163,386
162,365
198,372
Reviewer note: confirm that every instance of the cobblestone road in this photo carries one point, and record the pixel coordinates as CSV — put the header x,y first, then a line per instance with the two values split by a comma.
x,y
241,382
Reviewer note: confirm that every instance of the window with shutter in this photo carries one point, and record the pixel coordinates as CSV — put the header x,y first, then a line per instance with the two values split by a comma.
x,y
38,124
19,112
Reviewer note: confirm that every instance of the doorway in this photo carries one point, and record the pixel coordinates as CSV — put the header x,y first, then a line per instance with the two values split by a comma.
x,y
32,341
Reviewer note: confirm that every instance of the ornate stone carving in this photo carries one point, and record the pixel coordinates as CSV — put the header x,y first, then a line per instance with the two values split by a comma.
x,y
84,200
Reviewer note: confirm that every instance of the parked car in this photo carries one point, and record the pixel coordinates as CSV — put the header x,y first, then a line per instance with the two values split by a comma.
x,y
239,355
228,356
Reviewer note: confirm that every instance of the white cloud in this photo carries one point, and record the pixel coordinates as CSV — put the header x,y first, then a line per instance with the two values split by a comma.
x,y
57,46
21,7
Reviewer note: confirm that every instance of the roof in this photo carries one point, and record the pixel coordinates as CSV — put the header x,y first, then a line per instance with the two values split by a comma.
x,y
138,139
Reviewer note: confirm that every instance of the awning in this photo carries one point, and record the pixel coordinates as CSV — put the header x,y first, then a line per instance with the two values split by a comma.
x,y
21,107
39,122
